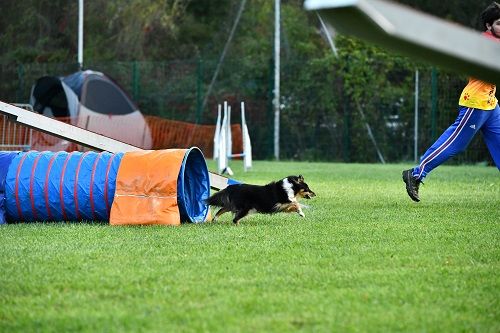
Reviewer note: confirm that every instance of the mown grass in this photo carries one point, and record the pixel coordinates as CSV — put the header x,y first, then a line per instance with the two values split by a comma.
x,y
364,259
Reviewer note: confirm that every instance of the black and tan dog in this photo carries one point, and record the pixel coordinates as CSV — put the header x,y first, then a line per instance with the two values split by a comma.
x,y
275,197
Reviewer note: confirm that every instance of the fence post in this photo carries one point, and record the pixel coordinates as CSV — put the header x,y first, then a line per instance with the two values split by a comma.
x,y
270,116
199,81
347,132
434,92
135,81
415,144
20,89
276,91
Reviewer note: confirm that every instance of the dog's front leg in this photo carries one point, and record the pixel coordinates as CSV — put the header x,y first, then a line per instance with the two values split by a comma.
x,y
294,207
299,210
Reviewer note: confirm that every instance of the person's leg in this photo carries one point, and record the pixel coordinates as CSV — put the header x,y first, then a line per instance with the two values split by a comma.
x,y
491,134
453,141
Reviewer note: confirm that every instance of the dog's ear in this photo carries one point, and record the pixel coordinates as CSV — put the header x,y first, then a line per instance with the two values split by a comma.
x,y
301,178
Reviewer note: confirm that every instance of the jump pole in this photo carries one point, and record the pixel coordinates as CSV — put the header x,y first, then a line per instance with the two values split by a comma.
x,y
83,137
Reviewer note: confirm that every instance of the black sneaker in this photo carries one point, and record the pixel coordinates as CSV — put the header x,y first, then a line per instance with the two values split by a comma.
x,y
412,184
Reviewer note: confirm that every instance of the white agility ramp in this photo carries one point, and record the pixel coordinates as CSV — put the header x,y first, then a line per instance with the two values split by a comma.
x,y
83,137
65,131
414,34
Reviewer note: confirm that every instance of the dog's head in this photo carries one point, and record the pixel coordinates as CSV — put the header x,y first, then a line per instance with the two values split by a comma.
x,y
300,188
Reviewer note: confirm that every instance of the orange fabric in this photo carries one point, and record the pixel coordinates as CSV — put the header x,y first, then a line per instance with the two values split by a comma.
x,y
146,188
479,94
164,133
171,133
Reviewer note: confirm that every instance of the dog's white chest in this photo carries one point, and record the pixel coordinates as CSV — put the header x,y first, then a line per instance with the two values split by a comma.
x,y
288,187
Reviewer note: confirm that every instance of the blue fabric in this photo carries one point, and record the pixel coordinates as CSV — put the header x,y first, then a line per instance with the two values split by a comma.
x,y
6,158
232,182
39,196
75,82
456,138
37,190
193,187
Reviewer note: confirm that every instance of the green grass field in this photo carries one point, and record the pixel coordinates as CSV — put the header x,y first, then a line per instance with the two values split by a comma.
x,y
364,259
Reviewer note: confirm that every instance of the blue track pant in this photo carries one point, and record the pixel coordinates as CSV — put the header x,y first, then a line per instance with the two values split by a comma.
x,y
456,138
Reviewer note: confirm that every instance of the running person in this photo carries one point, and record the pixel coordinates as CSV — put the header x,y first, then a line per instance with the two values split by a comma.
x,y
477,110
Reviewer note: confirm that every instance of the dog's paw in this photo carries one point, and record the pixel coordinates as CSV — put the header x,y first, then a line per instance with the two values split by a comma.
x,y
301,213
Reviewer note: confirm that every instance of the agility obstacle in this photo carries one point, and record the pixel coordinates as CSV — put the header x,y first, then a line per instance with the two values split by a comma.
x,y
141,187
83,137
223,146
122,184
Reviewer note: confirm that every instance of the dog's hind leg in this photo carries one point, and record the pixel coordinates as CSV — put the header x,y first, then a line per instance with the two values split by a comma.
x,y
220,212
239,215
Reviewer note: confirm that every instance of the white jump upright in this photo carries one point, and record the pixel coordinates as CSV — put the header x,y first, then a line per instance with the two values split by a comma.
x,y
229,136
223,143
217,133
247,144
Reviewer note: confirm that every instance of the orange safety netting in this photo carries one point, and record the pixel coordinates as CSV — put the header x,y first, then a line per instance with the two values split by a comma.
x,y
14,136
179,134
164,133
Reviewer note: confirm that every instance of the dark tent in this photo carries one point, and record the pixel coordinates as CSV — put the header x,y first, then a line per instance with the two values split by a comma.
x,y
93,101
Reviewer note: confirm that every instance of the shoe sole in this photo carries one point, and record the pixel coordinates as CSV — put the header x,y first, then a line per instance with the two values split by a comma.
x,y
408,189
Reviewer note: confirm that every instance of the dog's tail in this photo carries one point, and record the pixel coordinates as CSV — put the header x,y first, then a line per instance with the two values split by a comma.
x,y
219,199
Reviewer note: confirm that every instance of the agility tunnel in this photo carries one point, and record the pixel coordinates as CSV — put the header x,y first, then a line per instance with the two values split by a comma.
x,y
141,187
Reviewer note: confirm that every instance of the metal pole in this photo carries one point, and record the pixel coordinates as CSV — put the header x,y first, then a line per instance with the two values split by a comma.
x,y
198,91
370,134
327,34
434,102
276,100
415,146
224,51
135,81
80,34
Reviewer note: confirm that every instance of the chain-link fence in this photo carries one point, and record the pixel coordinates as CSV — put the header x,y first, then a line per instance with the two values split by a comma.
x,y
323,118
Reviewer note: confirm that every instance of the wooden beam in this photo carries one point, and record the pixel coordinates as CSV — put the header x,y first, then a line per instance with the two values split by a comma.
x,y
83,137
414,34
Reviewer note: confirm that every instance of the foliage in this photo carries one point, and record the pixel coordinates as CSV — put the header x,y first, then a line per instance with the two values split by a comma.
x,y
118,30
364,259
166,54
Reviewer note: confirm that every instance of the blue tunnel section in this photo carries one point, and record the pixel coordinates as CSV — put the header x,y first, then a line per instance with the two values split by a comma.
x,y
192,184
61,186
6,158
79,186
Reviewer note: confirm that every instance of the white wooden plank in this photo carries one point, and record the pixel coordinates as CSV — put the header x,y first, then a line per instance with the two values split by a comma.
x,y
82,137
414,34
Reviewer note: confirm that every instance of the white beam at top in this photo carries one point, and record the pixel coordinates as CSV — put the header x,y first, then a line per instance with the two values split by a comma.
x,y
414,34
